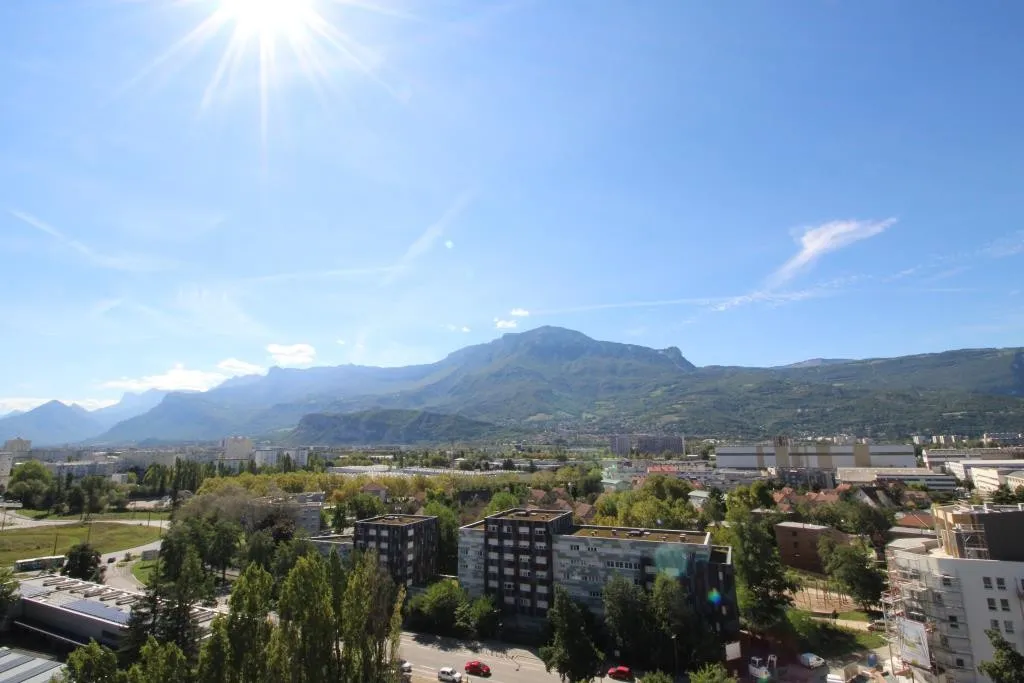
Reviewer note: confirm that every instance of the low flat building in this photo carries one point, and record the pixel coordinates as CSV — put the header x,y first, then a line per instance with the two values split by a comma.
x,y
73,612
783,454
518,556
962,469
22,667
798,544
881,476
80,469
407,545
987,480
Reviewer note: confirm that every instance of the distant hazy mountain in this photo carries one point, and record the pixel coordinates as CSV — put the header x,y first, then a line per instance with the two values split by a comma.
x,y
51,424
817,362
552,376
373,427
11,413
130,405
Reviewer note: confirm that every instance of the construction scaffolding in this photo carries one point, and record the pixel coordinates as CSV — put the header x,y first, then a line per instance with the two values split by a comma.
x,y
925,621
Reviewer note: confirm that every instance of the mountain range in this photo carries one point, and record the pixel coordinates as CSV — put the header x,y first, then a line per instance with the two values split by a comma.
x,y
554,377
56,423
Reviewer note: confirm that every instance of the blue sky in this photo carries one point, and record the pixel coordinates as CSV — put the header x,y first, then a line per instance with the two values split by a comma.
x,y
756,185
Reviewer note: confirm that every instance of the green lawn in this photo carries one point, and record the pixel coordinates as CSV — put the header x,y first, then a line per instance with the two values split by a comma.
x,y
20,544
854,616
142,570
141,515
826,640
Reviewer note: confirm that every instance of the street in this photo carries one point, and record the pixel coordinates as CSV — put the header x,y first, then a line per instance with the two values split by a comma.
x,y
508,664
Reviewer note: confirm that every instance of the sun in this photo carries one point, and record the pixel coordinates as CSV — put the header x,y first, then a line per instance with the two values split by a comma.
x,y
266,18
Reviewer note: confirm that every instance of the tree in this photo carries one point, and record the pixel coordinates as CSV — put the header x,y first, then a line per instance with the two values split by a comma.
x,y
373,620
657,677
247,627
571,652
160,663
8,591
436,609
502,500
680,640
31,483
1003,495
224,545
339,520
214,658
628,618
763,586
448,538
479,617
259,549
175,621
1007,664
307,621
83,563
93,663
712,673
852,568
364,506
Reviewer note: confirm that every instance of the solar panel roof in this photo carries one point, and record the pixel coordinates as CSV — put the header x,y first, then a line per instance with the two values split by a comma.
x,y
98,610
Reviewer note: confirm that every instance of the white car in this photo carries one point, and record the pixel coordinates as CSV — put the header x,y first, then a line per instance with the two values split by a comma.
x,y
449,675
405,667
811,660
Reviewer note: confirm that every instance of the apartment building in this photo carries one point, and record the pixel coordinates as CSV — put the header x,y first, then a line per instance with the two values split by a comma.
x,y
964,469
406,545
798,544
518,556
646,443
944,593
782,454
987,479
1015,479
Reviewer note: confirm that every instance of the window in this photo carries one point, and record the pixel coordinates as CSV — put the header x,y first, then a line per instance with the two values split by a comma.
x,y
492,527
591,549
954,622
995,624
525,602
574,547
538,531
987,582
595,594
946,581
959,663
991,603
507,529
1008,626
1000,583
1004,604
796,544
794,533
509,586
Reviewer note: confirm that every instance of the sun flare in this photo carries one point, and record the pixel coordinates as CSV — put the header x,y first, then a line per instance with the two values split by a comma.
x,y
267,17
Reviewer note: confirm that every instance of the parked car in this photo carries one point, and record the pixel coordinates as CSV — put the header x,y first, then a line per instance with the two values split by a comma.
x,y
111,560
811,660
405,667
620,673
478,668
447,674
877,625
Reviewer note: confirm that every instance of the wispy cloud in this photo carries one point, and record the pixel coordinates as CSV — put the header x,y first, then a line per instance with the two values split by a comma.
x,y
292,355
448,244
817,241
233,366
429,236
1007,246
457,328
178,378
500,324
122,262
519,313
327,274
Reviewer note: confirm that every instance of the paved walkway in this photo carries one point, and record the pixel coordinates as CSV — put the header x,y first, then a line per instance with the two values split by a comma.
x,y
12,520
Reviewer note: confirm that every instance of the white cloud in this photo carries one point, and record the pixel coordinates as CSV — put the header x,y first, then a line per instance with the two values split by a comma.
x,y
519,313
292,355
505,324
466,329
341,342
828,237
8,405
456,328
233,366
178,378
448,244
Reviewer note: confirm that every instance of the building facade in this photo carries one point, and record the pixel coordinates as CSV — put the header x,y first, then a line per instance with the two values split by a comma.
x,y
963,469
944,593
798,544
6,465
907,476
407,545
519,556
824,456
649,444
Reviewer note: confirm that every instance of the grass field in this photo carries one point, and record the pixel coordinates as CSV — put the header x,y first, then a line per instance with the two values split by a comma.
x,y
19,544
141,515
826,640
142,570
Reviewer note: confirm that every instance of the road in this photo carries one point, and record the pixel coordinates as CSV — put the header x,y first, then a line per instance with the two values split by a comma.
x,y
122,577
508,664
12,520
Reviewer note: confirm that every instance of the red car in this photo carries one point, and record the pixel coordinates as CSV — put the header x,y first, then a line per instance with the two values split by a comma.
x,y
478,668
620,673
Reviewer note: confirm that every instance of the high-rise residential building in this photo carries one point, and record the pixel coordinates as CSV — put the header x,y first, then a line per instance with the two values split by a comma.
x,y
655,445
620,444
238,448
519,556
20,447
406,545
945,592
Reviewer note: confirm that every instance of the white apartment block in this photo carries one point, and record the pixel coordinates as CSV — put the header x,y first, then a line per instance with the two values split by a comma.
x,y
937,458
987,479
815,456
945,592
1015,479
272,457
238,448
963,469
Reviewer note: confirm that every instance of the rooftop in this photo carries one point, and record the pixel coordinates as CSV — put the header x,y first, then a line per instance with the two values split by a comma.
x,y
396,520
655,535
17,667
984,509
846,473
802,525
519,514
